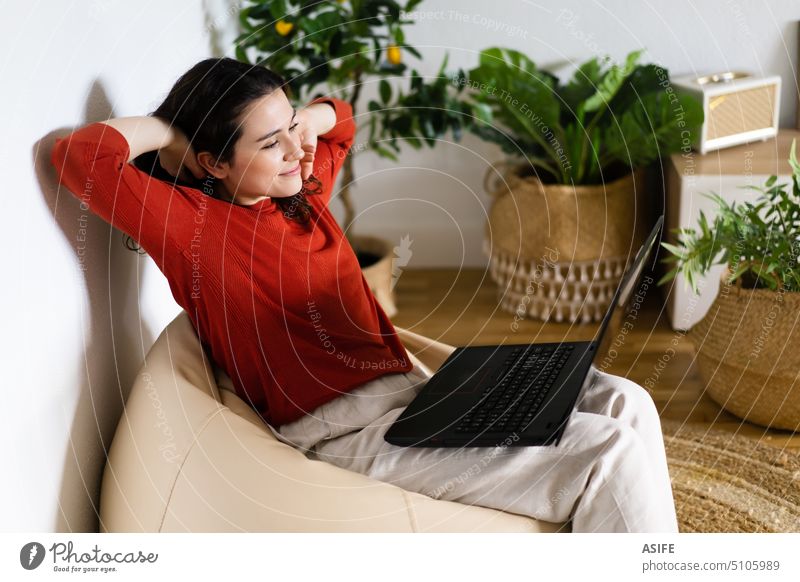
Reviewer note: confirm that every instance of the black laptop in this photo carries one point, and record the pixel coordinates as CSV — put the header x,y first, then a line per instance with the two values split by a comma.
x,y
482,395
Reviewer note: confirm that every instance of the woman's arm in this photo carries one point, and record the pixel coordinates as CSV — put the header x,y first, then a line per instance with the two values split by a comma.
x,y
321,116
314,119
143,134
146,134
92,163
336,137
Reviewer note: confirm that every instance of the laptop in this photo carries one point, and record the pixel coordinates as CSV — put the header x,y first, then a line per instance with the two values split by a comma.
x,y
482,395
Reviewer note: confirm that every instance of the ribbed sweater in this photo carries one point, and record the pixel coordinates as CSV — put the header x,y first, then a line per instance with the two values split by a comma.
x,y
284,309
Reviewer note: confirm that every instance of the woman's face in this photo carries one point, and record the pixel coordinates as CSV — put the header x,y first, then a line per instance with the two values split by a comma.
x,y
266,156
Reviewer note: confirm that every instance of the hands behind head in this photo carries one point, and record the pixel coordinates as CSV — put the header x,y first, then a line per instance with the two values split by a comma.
x,y
179,159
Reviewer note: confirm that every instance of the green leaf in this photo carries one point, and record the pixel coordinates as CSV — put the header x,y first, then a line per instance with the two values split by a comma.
x,y
611,83
278,9
241,55
416,80
523,101
392,8
483,112
385,153
385,91
742,268
443,66
675,250
583,83
412,50
668,276
793,159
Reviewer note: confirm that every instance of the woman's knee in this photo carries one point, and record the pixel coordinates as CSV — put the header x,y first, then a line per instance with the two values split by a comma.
x,y
605,437
623,458
628,400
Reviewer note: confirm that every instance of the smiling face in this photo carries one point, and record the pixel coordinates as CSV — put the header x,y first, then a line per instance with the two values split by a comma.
x,y
267,151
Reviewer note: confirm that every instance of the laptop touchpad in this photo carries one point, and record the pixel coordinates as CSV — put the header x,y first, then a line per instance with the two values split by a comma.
x,y
462,381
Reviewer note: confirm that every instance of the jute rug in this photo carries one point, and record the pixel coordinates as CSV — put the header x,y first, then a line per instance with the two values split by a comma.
x,y
731,483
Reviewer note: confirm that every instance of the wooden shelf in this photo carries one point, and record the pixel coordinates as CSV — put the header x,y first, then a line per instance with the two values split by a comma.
x,y
768,157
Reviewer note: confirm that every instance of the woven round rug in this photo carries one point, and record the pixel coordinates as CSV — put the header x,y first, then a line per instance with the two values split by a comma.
x,y
731,483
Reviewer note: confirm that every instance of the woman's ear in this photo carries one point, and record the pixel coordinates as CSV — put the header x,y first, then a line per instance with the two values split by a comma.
x,y
210,165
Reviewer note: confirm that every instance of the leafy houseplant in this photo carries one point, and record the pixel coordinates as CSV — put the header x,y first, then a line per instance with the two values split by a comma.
x,y
758,241
746,342
578,150
607,119
346,45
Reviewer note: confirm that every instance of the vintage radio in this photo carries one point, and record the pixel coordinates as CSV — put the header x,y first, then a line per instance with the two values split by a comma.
x,y
738,107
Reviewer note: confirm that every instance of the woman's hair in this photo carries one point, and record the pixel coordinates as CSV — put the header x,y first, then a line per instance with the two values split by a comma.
x,y
205,103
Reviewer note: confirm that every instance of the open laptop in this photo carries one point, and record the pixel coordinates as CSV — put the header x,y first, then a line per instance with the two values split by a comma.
x,y
482,395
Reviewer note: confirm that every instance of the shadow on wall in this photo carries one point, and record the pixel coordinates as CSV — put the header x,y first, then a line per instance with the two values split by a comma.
x,y
116,338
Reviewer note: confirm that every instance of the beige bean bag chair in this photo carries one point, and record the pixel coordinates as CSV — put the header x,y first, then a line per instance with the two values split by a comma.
x,y
190,455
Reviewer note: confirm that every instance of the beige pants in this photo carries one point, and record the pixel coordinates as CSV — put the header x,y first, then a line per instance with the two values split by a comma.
x,y
607,474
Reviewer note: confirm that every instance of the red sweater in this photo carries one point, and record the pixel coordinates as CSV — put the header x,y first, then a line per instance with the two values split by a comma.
x,y
284,310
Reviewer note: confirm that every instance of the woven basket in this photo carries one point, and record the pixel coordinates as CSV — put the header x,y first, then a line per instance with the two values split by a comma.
x,y
557,252
747,354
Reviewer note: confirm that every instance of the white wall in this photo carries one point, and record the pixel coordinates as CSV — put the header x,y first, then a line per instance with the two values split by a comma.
x,y
75,330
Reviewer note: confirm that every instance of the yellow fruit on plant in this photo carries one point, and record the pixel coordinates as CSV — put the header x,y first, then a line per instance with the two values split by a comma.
x,y
283,28
393,54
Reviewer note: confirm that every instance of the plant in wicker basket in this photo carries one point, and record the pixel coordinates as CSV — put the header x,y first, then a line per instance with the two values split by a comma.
x,y
568,211
747,342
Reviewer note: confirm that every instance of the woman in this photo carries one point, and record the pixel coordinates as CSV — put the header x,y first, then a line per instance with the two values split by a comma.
x,y
228,194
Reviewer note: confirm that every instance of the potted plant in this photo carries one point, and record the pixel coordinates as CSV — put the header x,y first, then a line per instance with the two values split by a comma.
x,y
346,45
567,213
747,342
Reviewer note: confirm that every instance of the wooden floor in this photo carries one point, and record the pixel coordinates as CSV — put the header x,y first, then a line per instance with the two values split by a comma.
x,y
461,307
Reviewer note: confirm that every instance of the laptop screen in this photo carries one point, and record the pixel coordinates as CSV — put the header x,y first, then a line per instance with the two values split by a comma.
x,y
623,303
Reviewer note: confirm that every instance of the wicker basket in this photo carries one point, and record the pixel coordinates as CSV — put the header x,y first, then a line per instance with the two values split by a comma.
x,y
747,354
557,252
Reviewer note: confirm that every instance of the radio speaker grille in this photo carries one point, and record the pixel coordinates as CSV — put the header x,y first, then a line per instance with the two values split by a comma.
x,y
740,112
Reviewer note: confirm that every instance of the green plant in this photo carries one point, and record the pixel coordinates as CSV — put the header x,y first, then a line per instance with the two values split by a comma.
x,y
346,45
759,241
606,118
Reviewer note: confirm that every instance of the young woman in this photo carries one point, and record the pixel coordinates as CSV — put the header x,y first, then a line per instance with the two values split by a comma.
x,y
226,186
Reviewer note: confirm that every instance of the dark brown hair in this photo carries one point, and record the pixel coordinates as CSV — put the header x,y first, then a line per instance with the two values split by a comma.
x,y
205,104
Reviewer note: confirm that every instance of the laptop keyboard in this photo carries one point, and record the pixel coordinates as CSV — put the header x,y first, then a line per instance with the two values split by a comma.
x,y
511,403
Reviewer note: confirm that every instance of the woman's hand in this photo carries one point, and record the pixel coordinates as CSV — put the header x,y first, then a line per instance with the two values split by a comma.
x,y
308,142
179,157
